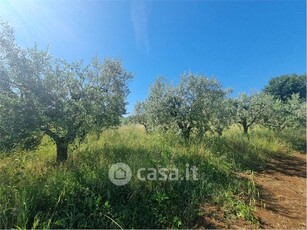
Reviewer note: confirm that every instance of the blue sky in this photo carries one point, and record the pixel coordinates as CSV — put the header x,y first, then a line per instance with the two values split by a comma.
x,y
241,43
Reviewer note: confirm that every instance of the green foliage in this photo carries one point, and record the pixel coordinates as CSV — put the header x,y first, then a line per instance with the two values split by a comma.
x,y
284,86
251,109
192,106
39,93
126,120
288,114
36,194
198,105
295,138
223,117
238,152
140,115
158,105
198,100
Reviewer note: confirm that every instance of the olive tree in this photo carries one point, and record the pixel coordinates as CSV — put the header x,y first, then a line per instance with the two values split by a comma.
x,y
224,116
158,105
198,100
251,109
187,107
42,94
140,115
288,114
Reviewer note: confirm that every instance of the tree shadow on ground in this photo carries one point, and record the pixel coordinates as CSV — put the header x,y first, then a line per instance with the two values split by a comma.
x,y
282,189
289,165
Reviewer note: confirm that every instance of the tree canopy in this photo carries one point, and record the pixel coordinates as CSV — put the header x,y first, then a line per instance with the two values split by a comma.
x,y
43,94
284,86
250,109
191,106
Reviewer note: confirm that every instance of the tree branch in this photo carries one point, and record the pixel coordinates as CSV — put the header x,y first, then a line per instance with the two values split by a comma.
x,y
51,134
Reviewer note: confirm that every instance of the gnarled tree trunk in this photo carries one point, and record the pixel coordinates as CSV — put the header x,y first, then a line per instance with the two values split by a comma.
x,y
61,145
245,126
185,129
61,150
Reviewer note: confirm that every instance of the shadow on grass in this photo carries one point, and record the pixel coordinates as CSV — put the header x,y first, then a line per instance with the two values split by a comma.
x,y
79,194
241,154
150,204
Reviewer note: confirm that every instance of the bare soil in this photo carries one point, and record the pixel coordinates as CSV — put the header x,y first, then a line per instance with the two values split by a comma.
x,y
282,188
282,197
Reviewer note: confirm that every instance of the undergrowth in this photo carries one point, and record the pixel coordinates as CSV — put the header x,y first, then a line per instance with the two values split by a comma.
x,y
37,193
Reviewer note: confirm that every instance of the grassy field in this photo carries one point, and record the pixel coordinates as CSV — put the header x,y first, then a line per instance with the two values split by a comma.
x,y
37,193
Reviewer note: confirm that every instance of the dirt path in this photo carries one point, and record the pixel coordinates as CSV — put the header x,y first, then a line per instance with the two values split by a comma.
x,y
282,188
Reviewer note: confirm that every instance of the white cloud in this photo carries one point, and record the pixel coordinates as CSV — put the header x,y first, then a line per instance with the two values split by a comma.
x,y
139,18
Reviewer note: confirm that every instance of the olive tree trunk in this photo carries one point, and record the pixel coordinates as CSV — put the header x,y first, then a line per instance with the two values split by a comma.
x,y
61,151
61,144
245,126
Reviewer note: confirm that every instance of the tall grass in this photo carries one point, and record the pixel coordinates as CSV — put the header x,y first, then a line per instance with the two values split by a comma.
x,y
36,193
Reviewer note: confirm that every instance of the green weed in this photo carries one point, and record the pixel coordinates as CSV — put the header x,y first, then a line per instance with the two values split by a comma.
x,y
36,193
